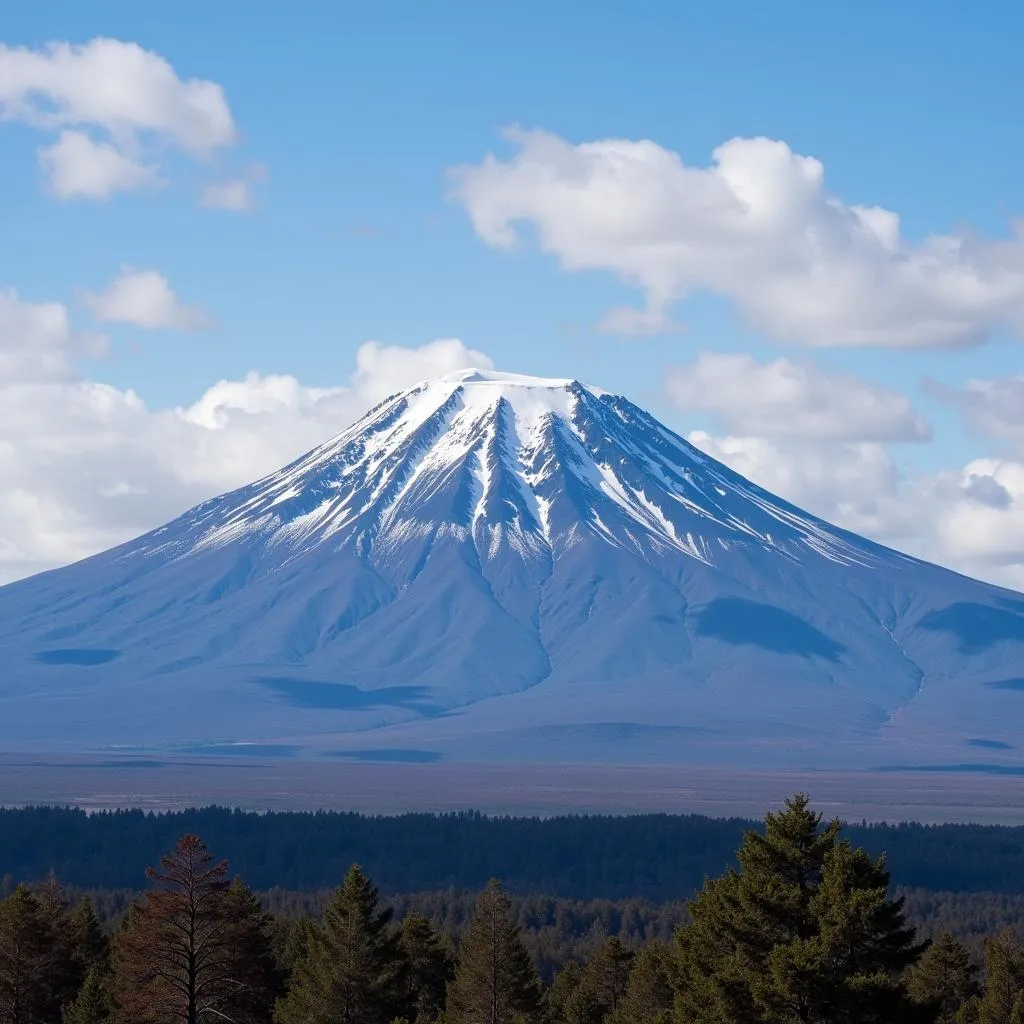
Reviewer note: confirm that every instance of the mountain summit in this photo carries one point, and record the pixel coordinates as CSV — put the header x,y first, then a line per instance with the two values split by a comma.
x,y
496,567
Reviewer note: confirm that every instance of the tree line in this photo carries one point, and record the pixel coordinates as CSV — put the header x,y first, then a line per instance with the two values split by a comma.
x,y
803,929
655,856
557,931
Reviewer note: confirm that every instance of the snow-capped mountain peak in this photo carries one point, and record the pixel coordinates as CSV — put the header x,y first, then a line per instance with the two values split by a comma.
x,y
502,458
493,566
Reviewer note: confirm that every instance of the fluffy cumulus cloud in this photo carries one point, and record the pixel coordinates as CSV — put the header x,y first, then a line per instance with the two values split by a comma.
x,y
77,165
37,343
144,298
86,465
112,107
379,367
855,485
758,227
970,519
820,439
983,524
796,400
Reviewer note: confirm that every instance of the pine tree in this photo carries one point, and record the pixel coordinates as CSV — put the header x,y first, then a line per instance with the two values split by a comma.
x,y
582,1006
803,931
1002,1000
429,969
864,945
353,971
740,919
91,945
648,998
945,980
495,982
92,1003
247,940
572,999
587,995
561,994
27,945
294,946
607,974
78,941
192,950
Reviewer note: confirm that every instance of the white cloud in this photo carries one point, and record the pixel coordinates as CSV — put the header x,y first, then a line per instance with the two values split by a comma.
x,y
983,523
144,299
970,519
86,465
236,194
992,407
110,101
37,342
35,339
382,370
758,227
76,166
788,399
255,395
854,485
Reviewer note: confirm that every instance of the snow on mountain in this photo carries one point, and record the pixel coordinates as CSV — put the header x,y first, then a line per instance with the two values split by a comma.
x,y
496,567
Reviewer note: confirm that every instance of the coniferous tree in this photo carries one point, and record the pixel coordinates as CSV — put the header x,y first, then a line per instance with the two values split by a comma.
x,y
864,945
561,996
572,999
52,898
64,974
740,919
495,982
587,995
92,1004
91,945
1002,1001
607,974
429,968
247,940
581,1006
26,956
946,981
649,997
803,932
353,970
78,942
192,950
294,942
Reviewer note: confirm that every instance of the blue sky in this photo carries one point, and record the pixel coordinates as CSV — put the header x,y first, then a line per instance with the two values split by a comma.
x,y
350,116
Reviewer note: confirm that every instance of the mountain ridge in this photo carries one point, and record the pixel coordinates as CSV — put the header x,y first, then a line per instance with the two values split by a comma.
x,y
496,565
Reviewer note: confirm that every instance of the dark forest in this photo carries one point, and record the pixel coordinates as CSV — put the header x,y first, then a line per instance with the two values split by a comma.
x,y
656,857
598,921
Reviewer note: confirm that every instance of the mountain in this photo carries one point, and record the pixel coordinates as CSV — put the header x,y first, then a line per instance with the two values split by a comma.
x,y
495,567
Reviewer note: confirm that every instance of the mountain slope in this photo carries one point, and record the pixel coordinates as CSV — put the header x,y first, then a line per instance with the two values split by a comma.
x,y
494,566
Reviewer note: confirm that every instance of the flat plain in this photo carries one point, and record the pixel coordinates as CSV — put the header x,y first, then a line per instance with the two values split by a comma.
x,y
97,783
